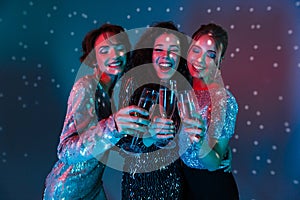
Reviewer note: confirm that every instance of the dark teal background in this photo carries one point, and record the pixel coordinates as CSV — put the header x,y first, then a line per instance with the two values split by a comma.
x,y
40,46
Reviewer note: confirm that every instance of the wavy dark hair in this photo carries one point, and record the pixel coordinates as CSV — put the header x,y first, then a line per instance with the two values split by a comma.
x,y
142,53
88,44
216,32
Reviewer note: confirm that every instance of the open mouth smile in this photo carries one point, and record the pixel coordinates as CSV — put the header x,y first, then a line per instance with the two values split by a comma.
x,y
165,66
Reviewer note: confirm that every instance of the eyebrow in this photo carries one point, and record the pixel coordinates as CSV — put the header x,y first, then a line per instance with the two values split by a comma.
x,y
160,45
214,50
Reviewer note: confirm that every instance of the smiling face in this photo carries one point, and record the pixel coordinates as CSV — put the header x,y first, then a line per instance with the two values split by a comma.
x,y
166,55
110,54
204,58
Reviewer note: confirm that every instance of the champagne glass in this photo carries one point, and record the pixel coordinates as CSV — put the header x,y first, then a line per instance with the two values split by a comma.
x,y
188,104
167,104
147,101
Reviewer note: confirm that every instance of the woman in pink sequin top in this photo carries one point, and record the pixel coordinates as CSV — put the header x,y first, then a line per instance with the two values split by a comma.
x,y
208,156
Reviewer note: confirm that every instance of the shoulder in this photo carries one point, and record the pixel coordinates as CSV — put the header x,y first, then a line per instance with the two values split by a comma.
x,y
231,101
85,86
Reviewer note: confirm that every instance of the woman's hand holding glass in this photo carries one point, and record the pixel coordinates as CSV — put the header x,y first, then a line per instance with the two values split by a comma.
x,y
191,115
164,127
128,124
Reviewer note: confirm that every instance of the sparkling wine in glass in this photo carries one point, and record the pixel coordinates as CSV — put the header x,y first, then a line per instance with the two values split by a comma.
x,y
167,104
147,101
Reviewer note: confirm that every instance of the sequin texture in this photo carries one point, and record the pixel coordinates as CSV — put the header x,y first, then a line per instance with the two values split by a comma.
x,y
222,123
88,131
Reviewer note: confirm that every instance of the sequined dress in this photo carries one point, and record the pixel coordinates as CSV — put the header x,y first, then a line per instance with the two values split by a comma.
x,y
156,173
88,132
201,183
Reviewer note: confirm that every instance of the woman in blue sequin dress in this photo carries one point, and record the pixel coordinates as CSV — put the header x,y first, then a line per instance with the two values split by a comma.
x,y
90,129
207,138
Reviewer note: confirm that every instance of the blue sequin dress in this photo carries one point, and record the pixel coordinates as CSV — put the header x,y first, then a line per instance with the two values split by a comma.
x,y
220,109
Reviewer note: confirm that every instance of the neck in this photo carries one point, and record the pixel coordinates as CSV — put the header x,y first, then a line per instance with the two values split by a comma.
x,y
107,81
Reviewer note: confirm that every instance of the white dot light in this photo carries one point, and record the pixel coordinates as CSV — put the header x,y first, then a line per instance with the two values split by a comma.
x,y
272,172
269,8
296,182
248,123
275,64
128,16
278,47
83,15
253,172
218,9
261,127
231,26
232,55
296,47
257,157
252,26
54,7
288,130
234,150
208,10
258,26
246,107
168,10
255,46
280,98
138,10
237,50
290,32
181,8
255,93
269,161
258,113
251,58
274,147
149,8
255,143
236,136
251,9
237,8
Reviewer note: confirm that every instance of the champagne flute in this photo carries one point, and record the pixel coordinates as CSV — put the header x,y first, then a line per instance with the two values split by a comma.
x,y
167,104
188,104
147,101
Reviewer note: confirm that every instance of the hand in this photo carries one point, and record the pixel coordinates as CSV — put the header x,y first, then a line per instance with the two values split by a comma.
x,y
195,127
128,124
226,162
162,128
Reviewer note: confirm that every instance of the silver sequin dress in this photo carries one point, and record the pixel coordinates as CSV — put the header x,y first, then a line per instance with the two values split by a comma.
x,y
88,132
